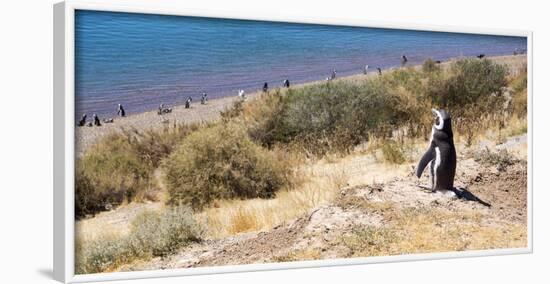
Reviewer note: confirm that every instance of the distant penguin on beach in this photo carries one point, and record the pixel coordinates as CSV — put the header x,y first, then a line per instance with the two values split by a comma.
x,y
120,111
97,122
188,102
82,121
333,74
161,106
480,56
265,87
204,98
438,62
379,70
404,59
286,83
241,94
366,69
441,154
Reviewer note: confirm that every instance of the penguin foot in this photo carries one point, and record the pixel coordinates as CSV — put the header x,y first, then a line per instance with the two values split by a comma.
x,y
426,188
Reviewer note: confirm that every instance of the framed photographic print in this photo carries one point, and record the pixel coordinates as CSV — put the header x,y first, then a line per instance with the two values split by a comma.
x,y
192,144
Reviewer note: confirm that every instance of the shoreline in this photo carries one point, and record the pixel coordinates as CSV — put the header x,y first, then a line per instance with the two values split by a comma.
x,y
86,136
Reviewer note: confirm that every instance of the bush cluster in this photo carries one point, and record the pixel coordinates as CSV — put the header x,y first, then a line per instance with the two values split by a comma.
x,y
151,234
338,115
221,162
120,167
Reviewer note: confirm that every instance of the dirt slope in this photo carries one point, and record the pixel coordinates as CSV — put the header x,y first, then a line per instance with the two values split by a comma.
x,y
393,217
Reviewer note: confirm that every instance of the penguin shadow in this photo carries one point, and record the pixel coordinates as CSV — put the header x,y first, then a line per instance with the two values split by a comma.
x,y
464,193
461,193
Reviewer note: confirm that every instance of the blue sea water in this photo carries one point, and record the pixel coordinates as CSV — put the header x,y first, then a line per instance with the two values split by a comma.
x,y
143,60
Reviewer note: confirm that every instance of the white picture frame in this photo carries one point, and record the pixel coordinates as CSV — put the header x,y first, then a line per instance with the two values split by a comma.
x,y
64,150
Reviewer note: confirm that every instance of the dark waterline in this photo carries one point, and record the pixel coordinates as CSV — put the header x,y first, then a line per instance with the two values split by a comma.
x,y
142,60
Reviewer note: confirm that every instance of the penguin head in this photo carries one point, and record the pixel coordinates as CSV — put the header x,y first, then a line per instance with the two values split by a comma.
x,y
442,121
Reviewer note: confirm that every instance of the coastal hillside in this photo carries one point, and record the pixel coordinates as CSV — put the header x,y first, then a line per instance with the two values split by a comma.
x,y
389,217
321,170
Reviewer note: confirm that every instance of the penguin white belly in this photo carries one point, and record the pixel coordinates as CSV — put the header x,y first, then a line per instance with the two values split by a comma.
x,y
437,163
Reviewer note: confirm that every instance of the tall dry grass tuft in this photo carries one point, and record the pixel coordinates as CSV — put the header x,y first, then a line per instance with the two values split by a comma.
x,y
229,217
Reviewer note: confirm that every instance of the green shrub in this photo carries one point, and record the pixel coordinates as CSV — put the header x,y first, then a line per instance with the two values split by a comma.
x,y
159,234
339,115
472,92
151,234
99,255
120,167
109,173
473,82
336,116
222,162
154,145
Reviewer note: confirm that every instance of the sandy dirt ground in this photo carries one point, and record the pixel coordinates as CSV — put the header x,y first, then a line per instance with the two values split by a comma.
x,y
320,234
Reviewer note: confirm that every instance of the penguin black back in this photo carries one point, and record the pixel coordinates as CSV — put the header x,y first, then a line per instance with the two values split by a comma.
x,y
441,153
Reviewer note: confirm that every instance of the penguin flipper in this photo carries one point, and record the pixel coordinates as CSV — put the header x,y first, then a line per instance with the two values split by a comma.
x,y
426,159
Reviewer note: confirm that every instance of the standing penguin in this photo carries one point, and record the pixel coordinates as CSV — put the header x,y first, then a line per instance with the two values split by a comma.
x,y
82,121
120,111
404,59
97,122
441,154
286,83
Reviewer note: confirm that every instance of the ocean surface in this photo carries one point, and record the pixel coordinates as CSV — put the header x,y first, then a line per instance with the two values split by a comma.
x,y
143,60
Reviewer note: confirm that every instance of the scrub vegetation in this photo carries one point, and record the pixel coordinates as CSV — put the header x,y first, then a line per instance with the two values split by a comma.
x,y
258,166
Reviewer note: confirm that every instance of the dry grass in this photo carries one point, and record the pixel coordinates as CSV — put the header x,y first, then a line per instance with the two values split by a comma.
x,y
151,234
423,230
300,255
115,223
322,181
229,217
